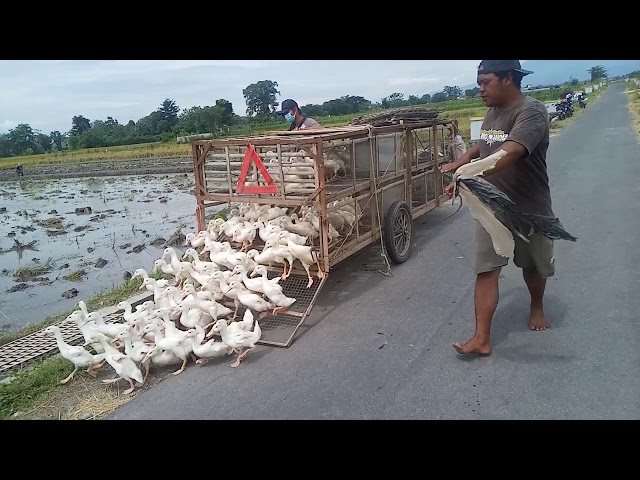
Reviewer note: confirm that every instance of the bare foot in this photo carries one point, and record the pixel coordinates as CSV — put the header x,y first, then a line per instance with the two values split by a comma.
x,y
538,321
474,346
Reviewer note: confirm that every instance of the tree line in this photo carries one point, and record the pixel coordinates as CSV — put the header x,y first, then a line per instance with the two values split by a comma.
x,y
168,121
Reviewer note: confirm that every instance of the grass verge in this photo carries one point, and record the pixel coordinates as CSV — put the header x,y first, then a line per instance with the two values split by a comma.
x,y
633,94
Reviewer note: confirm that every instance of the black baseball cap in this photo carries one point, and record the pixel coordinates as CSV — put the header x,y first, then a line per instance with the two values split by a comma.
x,y
494,66
287,105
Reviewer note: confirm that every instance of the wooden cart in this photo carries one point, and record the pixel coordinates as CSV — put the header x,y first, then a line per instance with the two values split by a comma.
x,y
387,175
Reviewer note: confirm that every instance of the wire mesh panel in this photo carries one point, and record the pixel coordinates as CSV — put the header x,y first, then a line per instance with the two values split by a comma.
x,y
419,190
279,329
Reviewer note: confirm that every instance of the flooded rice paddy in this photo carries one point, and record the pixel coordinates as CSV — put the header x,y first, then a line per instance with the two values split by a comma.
x,y
66,240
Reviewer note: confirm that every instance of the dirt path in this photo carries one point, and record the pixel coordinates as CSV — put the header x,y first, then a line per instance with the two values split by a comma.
x,y
101,168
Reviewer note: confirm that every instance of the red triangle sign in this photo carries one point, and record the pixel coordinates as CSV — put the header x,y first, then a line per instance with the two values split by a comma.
x,y
252,156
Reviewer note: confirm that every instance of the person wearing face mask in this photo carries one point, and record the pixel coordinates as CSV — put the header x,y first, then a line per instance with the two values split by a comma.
x,y
292,114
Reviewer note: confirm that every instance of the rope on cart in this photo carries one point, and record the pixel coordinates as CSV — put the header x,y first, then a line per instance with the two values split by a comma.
x,y
383,252
453,200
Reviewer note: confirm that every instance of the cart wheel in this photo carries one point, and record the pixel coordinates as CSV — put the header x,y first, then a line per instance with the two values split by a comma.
x,y
397,232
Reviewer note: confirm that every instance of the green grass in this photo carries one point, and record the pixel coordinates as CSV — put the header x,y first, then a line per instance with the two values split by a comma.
x,y
633,95
124,152
32,387
76,275
51,222
34,270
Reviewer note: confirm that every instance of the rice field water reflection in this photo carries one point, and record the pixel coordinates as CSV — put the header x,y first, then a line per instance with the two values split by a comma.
x,y
87,234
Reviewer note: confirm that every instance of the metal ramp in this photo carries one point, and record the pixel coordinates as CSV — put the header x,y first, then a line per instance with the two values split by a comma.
x,y
279,330
17,354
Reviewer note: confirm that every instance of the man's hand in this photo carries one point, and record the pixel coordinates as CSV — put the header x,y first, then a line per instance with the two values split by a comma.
x,y
449,167
449,189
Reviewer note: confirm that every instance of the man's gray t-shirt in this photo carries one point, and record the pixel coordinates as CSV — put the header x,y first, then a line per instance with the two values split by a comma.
x,y
526,182
306,123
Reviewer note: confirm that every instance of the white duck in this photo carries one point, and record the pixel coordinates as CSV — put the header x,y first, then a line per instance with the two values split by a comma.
x,y
244,234
196,240
253,284
273,290
124,366
214,227
160,357
250,299
79,356
197,263
176,263
307,256
109,329
83,308
263,231
210,291
87,329
216,274
245,324
135,349
207,351
303,228
157,291
272,213
162,265
282,237
315,221
262,271
177,343
197,278
238,340
142,273
273,253
219,310
192,314
129,315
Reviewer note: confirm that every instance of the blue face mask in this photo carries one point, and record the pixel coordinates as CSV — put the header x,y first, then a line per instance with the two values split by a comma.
x,y
289,118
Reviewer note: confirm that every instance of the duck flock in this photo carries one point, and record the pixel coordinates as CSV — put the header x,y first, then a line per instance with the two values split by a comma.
x,y
224,268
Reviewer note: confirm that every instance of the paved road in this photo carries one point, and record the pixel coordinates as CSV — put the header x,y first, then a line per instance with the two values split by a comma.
x,y
380,348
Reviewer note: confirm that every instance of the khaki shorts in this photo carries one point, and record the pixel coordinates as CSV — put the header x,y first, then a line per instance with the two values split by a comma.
x,y
537,254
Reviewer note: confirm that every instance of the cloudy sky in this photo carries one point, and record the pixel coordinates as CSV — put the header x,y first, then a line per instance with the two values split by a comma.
x,y
46,94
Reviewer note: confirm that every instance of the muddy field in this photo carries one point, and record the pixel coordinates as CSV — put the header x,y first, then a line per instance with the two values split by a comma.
x,y
65,240
101,168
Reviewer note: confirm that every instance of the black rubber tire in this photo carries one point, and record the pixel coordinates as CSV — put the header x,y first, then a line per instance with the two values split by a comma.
x,y
398,230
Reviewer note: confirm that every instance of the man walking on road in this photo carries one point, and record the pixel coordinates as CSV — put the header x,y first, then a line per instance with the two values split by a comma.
x,y
518,125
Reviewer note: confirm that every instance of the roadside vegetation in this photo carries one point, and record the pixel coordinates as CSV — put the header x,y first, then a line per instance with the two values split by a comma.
x,y
633,93
40,380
